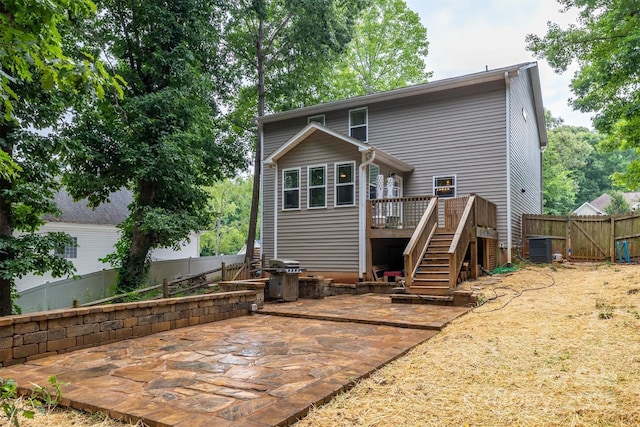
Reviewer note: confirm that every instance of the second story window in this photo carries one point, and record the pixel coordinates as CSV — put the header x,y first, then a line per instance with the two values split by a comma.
x,y
317,176
317,119
358,124
444,186
291,189
345,193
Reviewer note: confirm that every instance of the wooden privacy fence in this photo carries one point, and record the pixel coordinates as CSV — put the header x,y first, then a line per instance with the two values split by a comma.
x,y
585,238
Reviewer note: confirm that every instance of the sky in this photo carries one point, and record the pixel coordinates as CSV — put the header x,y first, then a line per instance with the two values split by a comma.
x,y
465,36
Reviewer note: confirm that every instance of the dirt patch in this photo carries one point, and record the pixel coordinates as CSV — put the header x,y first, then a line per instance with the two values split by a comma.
x,y
552,345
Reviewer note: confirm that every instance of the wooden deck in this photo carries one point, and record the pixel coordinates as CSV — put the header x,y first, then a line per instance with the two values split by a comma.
x,y
438,253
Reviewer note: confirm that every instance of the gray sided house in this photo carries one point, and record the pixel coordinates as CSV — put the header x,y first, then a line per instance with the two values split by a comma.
x,y
348,185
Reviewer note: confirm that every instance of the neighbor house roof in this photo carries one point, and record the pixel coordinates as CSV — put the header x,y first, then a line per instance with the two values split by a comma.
x,y
426,88
112,213
603,201
314,127
588,209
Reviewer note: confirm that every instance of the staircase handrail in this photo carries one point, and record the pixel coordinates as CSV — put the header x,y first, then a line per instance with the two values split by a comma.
x,y
419,241
460,241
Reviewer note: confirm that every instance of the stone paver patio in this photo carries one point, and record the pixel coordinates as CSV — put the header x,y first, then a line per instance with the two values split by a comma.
x,y
258,370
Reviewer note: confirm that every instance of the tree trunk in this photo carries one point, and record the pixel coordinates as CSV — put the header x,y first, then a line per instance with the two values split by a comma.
x,y
257,167
135,267
6,230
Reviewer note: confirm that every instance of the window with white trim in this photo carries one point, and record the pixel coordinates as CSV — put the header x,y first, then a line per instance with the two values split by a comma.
x,y
358,120
291,189
345,191
70,250
444,186
317,186
318,119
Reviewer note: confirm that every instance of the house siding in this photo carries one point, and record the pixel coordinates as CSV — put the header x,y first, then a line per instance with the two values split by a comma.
x,y
525,155
319,238
95,241
462,134
459,131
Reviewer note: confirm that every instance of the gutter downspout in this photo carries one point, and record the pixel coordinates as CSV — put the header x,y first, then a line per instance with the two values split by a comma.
x,y
275,212
507,82
364,183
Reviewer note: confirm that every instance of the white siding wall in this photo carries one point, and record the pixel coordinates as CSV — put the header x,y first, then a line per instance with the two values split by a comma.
x,y
94,242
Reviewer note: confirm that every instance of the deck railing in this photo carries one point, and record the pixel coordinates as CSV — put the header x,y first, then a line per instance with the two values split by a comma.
x,y
461,240
400,212
419,242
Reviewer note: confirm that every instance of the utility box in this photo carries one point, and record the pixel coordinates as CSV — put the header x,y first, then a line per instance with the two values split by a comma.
x,y
540,250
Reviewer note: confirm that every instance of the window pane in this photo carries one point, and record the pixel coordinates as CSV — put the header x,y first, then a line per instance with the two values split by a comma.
x,y
291,179
358,117
316,176
316,197
359,133
444,181
345,174
445,192
345,195
291,199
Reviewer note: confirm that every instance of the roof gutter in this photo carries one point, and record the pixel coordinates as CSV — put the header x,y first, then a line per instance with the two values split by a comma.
x,y
362,207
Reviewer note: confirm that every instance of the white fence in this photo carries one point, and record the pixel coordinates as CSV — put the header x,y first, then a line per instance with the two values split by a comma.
x,y
101,284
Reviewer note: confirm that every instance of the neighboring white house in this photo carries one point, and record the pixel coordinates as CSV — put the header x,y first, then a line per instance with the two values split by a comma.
x,y
597,206
95,233
587,209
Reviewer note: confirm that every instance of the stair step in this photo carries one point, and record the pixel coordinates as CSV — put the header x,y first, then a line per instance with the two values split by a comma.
x,y
428,282
432,276
430,290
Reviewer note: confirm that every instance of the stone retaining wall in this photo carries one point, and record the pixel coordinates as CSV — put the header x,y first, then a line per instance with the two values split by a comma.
x,y
36,335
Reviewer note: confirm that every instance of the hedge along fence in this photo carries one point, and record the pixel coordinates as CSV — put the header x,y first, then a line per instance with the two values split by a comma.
x,y
37,335
589,238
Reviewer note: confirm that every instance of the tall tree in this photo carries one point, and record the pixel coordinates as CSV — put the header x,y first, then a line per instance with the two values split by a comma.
x,y
604,43
162,140
31,49
280,48
39,78
388,51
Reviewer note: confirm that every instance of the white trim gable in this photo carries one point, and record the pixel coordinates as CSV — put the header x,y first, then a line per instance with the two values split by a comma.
x,y
313,127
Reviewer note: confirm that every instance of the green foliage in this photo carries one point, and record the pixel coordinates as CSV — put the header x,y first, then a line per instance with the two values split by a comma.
x,y
164,139
230,201
575,167
41,399
388,51
604,43
618,204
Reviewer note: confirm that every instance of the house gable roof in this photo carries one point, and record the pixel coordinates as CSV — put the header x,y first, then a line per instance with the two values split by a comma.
x,y
603,200
588,209
112,213
426,88
314,127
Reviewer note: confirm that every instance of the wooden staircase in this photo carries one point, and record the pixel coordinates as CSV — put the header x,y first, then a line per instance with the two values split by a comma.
x,y
432,276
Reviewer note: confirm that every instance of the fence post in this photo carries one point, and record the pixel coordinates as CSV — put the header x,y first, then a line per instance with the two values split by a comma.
x,y
223,267
165,288
612,251
263,264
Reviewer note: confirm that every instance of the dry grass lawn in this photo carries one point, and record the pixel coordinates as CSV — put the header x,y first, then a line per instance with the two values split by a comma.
x,y
552,345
